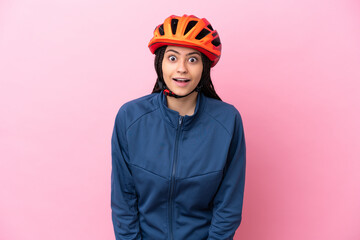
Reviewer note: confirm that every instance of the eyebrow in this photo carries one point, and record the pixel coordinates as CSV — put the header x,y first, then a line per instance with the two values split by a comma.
x,y
186,54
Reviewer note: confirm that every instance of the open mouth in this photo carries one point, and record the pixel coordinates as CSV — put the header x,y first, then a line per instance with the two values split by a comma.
x,y
181,79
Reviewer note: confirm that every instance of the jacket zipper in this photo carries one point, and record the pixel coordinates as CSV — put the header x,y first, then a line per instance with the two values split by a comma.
x,y
173,175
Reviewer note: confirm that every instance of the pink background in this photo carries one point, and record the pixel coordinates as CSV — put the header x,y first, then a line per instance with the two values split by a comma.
x,y
292,69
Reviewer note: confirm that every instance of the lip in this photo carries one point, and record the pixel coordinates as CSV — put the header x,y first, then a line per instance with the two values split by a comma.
x,y
181,84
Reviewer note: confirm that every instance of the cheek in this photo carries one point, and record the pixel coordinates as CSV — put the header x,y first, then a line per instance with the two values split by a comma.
x,y
166,69
199,73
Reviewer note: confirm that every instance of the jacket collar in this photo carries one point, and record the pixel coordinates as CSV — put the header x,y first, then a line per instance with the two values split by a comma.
x,y
172,116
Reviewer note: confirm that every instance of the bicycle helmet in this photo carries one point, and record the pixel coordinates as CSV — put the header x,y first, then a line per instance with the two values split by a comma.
x,y
188,31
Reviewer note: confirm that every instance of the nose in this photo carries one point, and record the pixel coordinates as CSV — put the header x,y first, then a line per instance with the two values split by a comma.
x,y
181,67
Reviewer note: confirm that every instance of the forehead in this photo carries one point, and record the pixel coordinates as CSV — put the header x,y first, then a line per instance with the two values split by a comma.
x,y
181,50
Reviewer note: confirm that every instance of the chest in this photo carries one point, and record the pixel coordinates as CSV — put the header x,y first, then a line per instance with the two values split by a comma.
x,y
184,152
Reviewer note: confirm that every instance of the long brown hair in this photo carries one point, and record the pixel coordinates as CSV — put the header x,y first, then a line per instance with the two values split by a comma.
x,y
207,86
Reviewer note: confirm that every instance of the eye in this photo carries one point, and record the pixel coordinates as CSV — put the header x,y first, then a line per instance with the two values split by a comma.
x,y
192,59
172,58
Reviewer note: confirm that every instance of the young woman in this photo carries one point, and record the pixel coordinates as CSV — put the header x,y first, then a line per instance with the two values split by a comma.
x,y
178,154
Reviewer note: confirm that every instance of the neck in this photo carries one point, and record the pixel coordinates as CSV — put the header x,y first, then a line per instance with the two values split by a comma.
x,y
185,105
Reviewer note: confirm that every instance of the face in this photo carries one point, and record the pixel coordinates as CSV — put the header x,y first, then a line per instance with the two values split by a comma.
x,y
182,68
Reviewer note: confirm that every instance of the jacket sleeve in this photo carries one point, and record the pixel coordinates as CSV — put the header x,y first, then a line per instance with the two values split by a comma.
x,y
228,201
123,196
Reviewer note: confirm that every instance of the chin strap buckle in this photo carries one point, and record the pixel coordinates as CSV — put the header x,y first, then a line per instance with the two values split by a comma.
x,y
167,92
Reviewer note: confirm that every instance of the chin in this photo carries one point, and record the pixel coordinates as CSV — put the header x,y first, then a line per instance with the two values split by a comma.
x,y
184,92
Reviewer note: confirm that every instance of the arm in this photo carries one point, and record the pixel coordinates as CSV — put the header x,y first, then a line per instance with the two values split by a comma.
x,y
123,196
228,201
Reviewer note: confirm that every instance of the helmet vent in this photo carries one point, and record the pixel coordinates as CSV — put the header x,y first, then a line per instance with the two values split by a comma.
x,y
190,25
161,29
210,27
202,34
216,42
174,23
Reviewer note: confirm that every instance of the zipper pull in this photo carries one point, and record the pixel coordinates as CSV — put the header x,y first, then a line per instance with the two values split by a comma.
x,y
180,120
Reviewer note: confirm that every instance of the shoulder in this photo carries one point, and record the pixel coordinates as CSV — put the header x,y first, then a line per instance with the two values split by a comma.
x,y
224,113
216,107
132,110
145,102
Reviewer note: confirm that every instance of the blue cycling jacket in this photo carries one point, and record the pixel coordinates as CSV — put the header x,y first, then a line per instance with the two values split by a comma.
x,y
177,177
